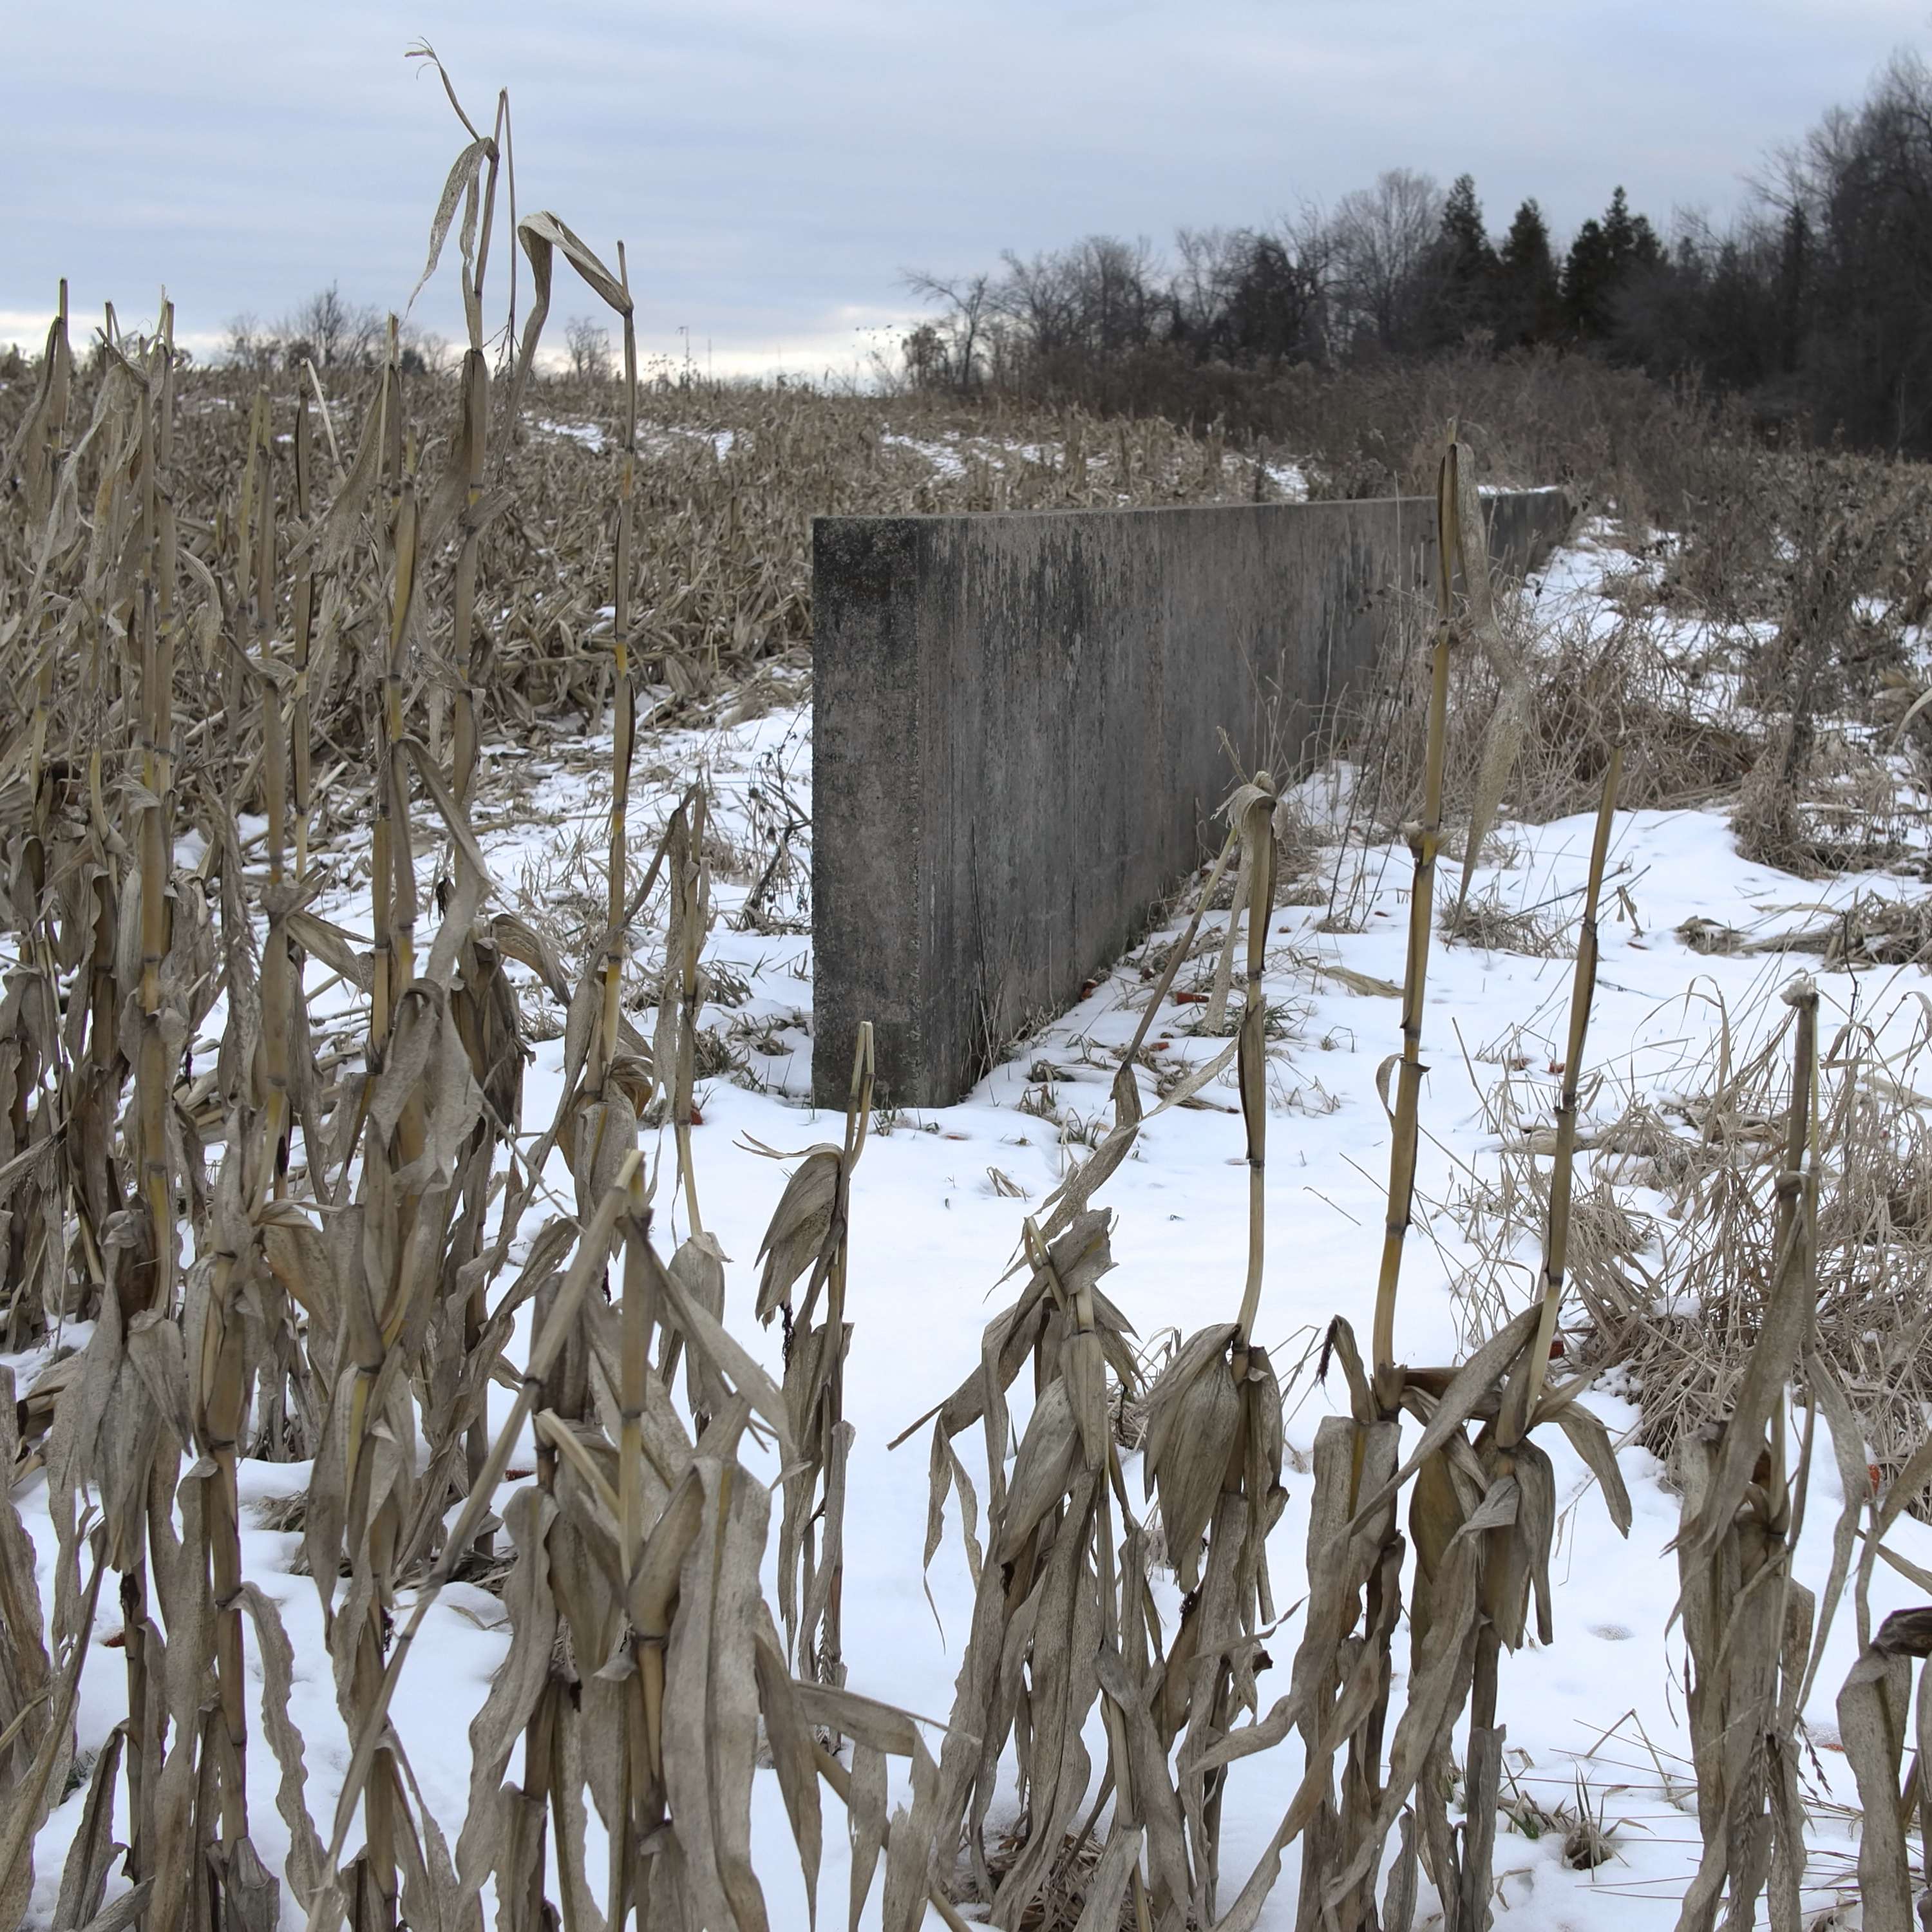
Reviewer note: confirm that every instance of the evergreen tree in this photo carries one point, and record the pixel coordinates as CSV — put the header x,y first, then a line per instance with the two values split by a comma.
x,y
1270,308
1738,343
1603,260
1465,242
1619,232
1459,275
1529,305
1586,283
1794,278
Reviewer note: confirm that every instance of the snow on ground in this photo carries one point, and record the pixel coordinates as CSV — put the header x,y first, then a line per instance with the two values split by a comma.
x,y
588,434
1290,479
592,436
933,1230
949,457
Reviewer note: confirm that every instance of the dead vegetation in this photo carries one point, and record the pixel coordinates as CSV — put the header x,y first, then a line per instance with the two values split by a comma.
x,y
294,1244
1680,1300
1763,653
725,481
301,1252
1785,1256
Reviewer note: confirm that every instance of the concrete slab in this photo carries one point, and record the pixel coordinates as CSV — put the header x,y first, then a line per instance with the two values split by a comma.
x,y
1017,750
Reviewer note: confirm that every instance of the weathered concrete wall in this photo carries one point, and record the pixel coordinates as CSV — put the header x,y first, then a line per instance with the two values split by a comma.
x,y
1016,751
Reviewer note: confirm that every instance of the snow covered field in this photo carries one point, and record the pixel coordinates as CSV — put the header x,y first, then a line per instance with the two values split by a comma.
x,y
1596,1722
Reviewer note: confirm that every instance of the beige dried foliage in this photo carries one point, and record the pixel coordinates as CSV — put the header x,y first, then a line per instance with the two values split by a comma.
x,y
296,1242
1064,1621
1481,1511
1748,1622
352,1202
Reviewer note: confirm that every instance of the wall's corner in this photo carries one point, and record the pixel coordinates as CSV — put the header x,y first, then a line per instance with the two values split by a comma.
x,y
868,791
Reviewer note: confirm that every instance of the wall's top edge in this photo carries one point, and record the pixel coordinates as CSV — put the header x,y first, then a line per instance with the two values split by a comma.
x,y
1488,491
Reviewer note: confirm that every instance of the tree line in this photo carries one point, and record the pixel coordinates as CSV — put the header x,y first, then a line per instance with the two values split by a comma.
x,y
333,332
1813,304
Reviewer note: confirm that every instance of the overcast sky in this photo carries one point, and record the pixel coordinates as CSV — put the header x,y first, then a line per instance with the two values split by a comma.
x,y
774,165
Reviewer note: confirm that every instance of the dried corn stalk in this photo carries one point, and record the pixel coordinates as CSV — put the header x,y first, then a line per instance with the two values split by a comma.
x,y
1339,1690
1502,1485
1747,1621
1877,1722
1051,1605
1062,1617
1482,1509
26,1671
809,1238
1214,1443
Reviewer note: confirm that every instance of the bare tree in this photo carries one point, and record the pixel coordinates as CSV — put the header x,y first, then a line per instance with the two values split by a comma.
x,y
251,345
949,353
1212,261
588,344
332,332
1119,297
1041,299
1102,295
1264,297
1306,239
1380,238
424,352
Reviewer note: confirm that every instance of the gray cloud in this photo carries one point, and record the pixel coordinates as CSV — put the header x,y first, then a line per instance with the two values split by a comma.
x,y
773,167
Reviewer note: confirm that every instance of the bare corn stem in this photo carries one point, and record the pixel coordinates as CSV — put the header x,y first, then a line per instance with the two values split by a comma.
x,y
1425,840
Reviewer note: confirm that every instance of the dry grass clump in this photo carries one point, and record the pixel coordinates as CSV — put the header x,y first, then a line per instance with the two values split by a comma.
x,y
1589,1839
1065,1902
1844,531
1840,543
1678,1292
1760,651
1578,694
1870,929
1626,688
1491,924
1499,1208
1817,802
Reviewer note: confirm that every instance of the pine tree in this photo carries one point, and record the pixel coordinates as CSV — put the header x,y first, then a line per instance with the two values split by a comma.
x,y
1270,308
1460,275
1586,283
1619,232
1794,286
1529,306
1464,239
1602,258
